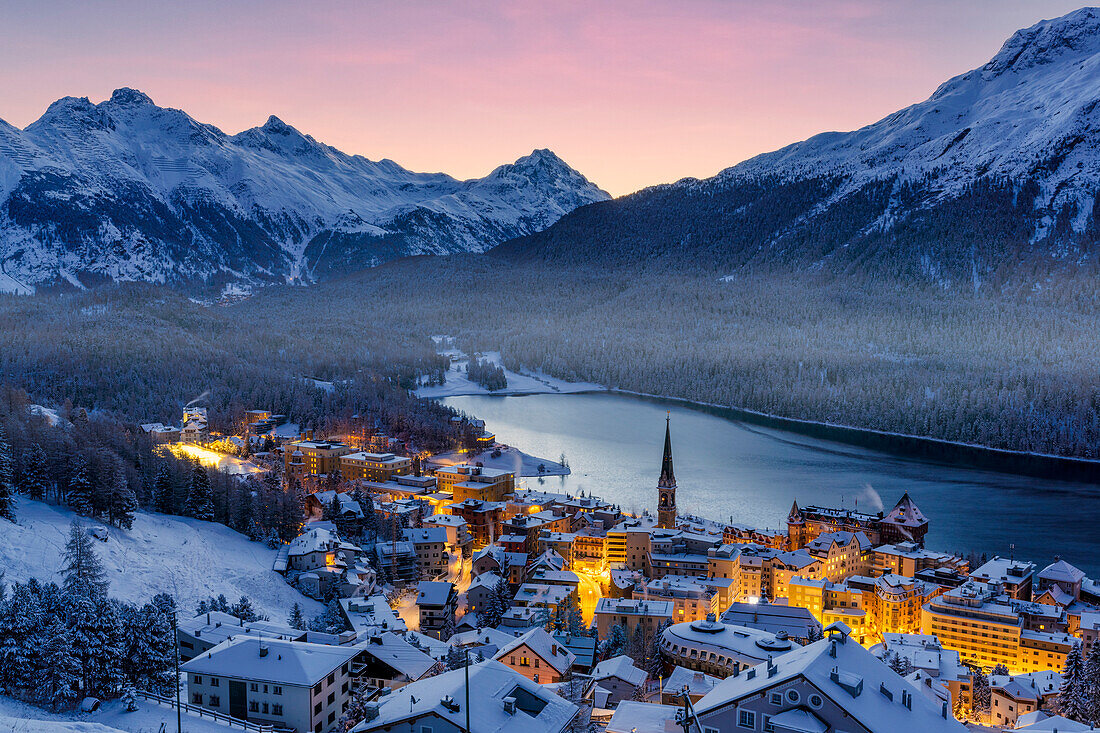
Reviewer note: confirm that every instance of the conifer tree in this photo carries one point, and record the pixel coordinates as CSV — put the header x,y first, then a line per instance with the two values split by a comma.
x,y
7,487
79,493
59,677
121,502
980,691
655,665
243,610
1073,700
296,620
163,491
33,479
84,574
1092,685
149,650
21,621
999,670
97,639
200,498
616,642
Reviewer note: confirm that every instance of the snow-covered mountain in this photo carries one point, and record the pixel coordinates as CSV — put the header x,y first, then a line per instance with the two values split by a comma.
x,y
999,167
125,189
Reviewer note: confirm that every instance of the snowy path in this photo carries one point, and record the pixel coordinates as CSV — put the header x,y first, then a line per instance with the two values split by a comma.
x,y
526,383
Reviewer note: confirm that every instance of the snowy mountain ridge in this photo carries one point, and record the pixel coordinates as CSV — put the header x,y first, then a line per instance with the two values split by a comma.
x,y
125,189
994,180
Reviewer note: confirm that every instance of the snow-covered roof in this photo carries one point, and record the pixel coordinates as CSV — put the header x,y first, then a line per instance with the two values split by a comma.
x,y
847,674
433,593
745,645
1043,721
795,621
399,654
421,535
371,615
631,607
490,579
284,662
621,667
536,710
319,539
216,627
1061,571
545,646
632,716
697,683
906,513
482,637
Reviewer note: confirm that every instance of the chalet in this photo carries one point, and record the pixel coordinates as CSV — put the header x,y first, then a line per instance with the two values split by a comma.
x,y
537,656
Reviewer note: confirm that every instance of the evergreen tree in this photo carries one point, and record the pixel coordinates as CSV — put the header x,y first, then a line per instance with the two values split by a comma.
x,y
129,699
149,650
292,514
21,624
121,502
330,621
7,487
165,603
84,574
296,620
79,492
980,691
243,610
456,658
616,642
33,479
655,665
163,491
1073,700
331,510
638,646
1092,684
200,497
999,670
96,636
898,663
58,680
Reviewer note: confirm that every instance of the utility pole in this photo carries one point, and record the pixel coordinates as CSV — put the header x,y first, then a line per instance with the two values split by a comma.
x,y
467,651
176,635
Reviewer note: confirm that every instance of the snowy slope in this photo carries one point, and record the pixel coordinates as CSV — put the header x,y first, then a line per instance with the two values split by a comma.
x,y
190,559
125,189
993,181
112,717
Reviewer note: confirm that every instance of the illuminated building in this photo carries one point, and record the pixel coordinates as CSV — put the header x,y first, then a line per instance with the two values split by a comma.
x,y
538,656
905,522
927,656
988,627
691,600
1014,576
437,603
630,613
313,458
373,466
475,482
719,649
908,559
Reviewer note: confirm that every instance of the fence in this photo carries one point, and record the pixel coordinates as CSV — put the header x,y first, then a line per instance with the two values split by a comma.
x,y
201,712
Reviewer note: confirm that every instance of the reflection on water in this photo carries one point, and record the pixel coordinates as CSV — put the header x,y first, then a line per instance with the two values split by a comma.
x,y
726,469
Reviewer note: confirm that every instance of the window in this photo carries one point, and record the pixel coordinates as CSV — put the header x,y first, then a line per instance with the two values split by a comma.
x,y
425,729
344,669
253,706
276,709
196,698
215,701
707,729
254,687
197,679
331,677
746,719
332,717
775,698
317,709
214,681
317,689
344,687
815,701
276,690
793,695
331,698
265,689
769,727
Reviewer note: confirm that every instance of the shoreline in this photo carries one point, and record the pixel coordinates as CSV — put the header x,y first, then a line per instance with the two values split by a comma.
x,y
902,445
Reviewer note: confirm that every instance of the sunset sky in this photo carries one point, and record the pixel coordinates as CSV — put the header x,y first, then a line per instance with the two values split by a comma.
x,y
631,93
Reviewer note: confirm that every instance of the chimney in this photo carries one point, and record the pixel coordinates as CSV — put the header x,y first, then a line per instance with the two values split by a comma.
x,y
510,705
263,649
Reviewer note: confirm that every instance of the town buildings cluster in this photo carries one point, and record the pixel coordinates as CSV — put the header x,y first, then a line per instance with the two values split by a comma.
x,y
561,612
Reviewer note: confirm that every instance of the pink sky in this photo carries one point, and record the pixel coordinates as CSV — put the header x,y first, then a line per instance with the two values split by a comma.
x,y
631,93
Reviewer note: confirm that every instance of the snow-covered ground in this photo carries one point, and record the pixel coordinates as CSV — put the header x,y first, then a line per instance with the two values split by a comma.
x,y
9,284
19,717
510,459
518,383
190,559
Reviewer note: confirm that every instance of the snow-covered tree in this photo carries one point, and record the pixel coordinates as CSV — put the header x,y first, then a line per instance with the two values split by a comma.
x,y
33,478
121,500
58,679
1092,685
78,495
980,691
1073,700
456,658
129,699
97,641
999,670
7,486
296,620
22,623
616,643
163,491
655,665
84,574
901,665
243,610
148,648
200,497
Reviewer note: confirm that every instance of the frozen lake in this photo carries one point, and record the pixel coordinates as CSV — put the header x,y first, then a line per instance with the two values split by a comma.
x,y
728,469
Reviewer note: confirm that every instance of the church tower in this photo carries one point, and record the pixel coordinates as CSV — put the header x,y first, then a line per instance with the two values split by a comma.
x,y
666,486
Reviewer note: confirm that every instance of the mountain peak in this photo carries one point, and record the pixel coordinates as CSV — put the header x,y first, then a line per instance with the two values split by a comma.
x,y
128,96
277,127
1047,41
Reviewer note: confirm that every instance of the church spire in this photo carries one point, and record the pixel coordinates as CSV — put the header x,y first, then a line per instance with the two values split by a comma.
x,y
668,478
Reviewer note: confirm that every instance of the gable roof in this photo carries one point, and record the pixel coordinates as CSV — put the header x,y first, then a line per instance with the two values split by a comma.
x,y
622,667
846,673
270,660
392,649
494,682
545,646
